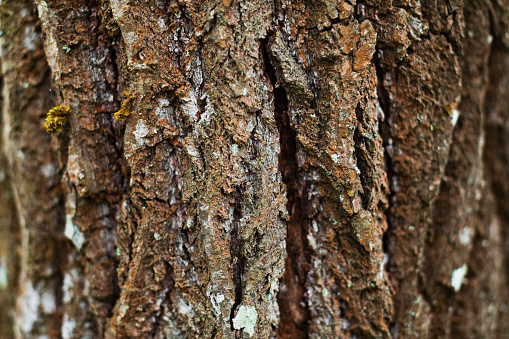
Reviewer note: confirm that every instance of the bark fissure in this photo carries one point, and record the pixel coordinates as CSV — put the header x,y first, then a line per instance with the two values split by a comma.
x,y
384,116
362,146
238,261
294,312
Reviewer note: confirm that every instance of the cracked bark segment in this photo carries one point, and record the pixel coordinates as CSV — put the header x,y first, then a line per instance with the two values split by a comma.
x,y
337,131
416,94
218,196
32,166
95,173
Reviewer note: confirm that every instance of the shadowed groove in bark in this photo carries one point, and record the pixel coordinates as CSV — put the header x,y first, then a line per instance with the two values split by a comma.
x,y
294,313
384,102
362,163
237,257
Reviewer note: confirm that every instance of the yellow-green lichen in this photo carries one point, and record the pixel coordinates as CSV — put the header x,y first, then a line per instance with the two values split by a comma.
x,y
449,109
123,112
56,119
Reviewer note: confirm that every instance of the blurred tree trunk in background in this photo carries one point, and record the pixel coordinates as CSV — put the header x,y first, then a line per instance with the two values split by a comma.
x,y
288,169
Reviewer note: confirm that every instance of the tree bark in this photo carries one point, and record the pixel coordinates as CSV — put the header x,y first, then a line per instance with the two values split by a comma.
x,y
286,169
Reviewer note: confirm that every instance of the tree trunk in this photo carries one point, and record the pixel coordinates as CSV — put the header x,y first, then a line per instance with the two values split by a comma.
x,y
287,169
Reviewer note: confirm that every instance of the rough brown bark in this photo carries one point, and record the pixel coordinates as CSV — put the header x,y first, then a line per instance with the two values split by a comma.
x,y
288,169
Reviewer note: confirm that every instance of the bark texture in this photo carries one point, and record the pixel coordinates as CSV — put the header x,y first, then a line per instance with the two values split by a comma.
x,y
286,169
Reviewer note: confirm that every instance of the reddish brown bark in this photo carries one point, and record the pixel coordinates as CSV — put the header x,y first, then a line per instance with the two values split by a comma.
x,y
289,169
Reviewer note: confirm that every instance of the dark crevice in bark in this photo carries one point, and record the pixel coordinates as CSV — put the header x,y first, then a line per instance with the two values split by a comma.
x,y
118,143
360,11
238,259
106,25
294,312
361,147
384,101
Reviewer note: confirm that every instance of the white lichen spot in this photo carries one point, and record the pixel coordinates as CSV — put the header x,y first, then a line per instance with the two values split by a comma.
x,y
156,236
20,155
30,38
465,236
48,302
315,226
416,27
235,149
161,23
131,42
190,106
67,327
73,169
140,132
3,275
185,308
163,109
274,288
216,302
66,286
73,233
380,274
457,277
118,8
246,319
311,241
122,310
454,116
29,307
48,170
335,158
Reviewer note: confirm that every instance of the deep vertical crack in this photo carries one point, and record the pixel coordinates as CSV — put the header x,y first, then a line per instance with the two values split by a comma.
x,y
294,312
361,148
238,260
384,102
